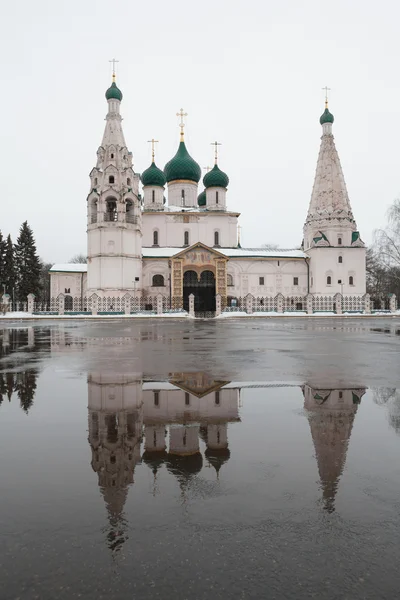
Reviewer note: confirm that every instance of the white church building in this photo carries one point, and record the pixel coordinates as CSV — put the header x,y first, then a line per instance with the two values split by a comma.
x,y
159,233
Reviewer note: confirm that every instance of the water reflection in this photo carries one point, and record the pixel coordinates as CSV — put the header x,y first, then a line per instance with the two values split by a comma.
x,y
331,416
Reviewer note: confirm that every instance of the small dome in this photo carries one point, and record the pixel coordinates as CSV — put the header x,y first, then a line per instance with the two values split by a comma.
x,y
113,92
216,178
153,176
201,198
182,166
326,117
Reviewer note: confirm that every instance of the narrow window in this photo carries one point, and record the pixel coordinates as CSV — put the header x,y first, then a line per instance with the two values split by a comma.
x,y
340,259
217,399
216,197
186,238
156,398
295,281
153,195
183,197
351,280
95,181
261,280
155,238
111,179
312,281
278,263
112,155
229,279
339,241
340,395
128,181
329,280
216,238
187,399
339,281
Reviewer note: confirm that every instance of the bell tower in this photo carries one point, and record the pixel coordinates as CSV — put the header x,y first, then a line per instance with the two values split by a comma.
x,y
114,223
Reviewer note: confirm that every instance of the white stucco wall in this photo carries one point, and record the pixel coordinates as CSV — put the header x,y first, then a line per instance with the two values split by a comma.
x,y
278,277
324,262
201,227
175,189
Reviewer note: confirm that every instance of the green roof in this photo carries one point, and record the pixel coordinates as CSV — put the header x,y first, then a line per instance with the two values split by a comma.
x,y
216,178
182,166
153,176
201,198
326,117
114,92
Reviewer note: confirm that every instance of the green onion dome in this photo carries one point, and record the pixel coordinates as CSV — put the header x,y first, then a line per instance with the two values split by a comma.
x,y
182,166
216,178
201,198
153,176
326,117
113,92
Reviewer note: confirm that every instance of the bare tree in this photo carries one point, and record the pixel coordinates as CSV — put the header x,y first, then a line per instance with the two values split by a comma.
x,y
79,259
387,240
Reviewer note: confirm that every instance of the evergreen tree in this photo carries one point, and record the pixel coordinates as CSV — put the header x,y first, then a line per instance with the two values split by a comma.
x,y
3,245
27,264
26,387
9,278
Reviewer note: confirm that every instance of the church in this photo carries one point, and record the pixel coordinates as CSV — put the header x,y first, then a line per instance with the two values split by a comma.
x,y
159,233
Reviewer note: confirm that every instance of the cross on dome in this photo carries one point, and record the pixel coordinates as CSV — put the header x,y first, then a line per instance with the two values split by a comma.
x,y
152,142
326,89
216,144
113,61
181,114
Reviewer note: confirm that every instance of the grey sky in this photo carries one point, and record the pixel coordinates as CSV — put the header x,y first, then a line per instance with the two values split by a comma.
x,y
248,73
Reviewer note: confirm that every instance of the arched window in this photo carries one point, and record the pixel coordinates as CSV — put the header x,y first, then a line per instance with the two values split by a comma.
x,y
340,259
329,280
128,181
183,197
111,210
216,238
111,179
216,197
93,211
112,155
153,195
158,281
229,279
95,181
186,238
339,241
351,280
155,238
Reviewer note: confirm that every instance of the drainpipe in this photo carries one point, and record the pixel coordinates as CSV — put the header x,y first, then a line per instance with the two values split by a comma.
x,y
170,285
82,291
306,259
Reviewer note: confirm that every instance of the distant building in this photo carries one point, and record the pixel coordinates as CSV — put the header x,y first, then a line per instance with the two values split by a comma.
x,y
140,243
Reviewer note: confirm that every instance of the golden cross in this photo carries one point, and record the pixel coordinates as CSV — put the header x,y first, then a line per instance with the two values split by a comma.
x,y
113,61
152,142
216,144
181,114
326,95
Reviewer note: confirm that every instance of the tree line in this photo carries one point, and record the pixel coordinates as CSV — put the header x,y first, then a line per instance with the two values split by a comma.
x,y
22,272
383,257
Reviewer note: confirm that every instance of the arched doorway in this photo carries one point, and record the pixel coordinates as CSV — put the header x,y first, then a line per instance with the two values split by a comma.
x,y
203,290
68,303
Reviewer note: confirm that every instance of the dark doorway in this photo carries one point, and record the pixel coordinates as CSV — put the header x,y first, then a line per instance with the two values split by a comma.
x,y
68,303
203,291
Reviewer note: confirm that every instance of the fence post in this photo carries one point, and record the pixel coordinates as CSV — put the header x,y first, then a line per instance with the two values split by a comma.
x,y
367,304
61,304
338,299
191,305
279,303
249,304
393,303
309,304
159,304
218,305
31,301
127,304
95,307
5,303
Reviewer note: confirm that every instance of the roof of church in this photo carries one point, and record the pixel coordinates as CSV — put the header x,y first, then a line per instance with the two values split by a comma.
x,y
167,252
153,176
182,166
113,92
69,268
216,178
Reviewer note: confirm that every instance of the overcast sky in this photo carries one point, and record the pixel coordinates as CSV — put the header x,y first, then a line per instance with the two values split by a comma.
x,y
248,73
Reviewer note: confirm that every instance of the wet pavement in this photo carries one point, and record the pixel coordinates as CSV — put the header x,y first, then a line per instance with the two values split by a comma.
x,y
199,460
